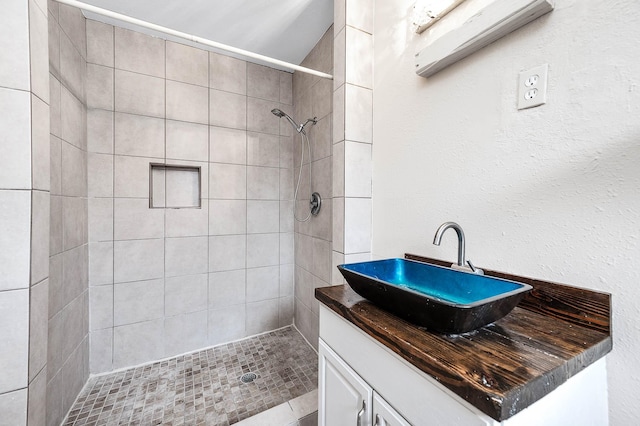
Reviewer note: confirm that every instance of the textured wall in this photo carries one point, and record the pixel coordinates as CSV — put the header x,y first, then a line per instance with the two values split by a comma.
x,y
68,339
550,192
312,97
168,281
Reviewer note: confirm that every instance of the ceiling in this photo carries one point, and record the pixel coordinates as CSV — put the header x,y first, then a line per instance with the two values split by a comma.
x,y
281,29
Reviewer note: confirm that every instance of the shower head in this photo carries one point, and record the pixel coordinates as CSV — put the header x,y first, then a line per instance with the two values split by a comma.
x,y
279,113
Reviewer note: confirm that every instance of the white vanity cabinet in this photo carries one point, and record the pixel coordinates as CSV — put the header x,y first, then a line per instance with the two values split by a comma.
x,y
362,381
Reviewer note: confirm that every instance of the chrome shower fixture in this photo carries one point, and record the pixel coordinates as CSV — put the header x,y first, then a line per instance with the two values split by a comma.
x,y
299,127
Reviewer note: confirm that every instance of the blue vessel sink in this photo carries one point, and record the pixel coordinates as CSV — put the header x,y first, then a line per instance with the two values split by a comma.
x,y
438,298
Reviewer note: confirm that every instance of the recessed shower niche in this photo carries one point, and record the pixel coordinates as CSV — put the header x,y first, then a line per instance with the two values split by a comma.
x,y
174,186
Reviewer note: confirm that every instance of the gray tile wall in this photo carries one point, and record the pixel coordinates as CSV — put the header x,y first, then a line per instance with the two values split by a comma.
x,y
24,211
168,281
68,296
312,97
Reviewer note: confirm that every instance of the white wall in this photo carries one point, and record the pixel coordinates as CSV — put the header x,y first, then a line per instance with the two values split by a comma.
x,y
551,192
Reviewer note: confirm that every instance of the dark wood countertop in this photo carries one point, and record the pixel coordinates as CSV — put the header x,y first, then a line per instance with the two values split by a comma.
x,y
502,368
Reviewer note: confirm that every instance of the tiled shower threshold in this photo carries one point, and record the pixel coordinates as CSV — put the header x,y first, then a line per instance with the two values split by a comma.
x,y
204,387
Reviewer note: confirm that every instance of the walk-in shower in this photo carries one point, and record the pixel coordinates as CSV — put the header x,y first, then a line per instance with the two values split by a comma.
x,y
315,201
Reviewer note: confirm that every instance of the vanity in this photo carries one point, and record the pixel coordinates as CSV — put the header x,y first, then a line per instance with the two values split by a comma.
x,y
542,364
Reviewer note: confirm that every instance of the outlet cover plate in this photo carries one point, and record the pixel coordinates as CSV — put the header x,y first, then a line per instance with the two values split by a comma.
x,y
532,87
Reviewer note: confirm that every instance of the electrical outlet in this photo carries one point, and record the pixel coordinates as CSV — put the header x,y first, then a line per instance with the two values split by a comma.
x,y
532,87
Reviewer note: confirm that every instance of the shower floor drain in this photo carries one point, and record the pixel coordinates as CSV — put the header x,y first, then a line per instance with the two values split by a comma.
x,y
248,377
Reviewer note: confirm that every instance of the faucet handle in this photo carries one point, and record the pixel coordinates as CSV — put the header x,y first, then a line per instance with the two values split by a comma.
x,y
474,269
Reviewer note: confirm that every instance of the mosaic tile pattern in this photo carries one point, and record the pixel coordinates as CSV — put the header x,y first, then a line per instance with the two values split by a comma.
x,y
202,388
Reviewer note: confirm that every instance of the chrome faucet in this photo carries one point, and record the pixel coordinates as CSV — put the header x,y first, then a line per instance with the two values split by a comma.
x,y
462,263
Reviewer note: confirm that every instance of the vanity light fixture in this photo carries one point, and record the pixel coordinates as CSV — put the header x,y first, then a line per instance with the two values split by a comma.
x,y
428,12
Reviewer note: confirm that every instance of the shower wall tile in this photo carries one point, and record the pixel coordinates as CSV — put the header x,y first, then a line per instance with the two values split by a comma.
x,y
139,94
262,316
72,121
136,260
227,109
55,165
263,283
338,224
75,277
100,263
40,145
263,216
358,175
139,52
14,334
40,218
358,114
263,149
14,47
286,152
74,222
138,135
227,73
227,324
227,252
227,288
321,259
187,222
38,327
54,106
186,294
286,216
285,311
15,150
185,256
357,225
338,126
337,258
287,191
187,64
321,93
263,250
186,141
54,44
322,226
134,220
321,134
100,219
100,87
260,118
73,171
322,175
263,82
286,248
187,102
100,350
359,61
227,145
39,52
100,43
304,251
37,404
100,131
55,225
138,301
99,181
359,14
137,343
263,183
228,181
286,280
227,217
132,176
72,67
184,333
339,57
72,23
13,405
286,88
338,169
101,307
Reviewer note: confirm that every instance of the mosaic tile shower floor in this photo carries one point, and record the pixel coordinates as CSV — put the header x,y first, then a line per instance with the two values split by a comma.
x,y
202,388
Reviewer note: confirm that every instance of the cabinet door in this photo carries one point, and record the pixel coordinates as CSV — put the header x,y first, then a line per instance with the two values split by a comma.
x,y
345,399
384,414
